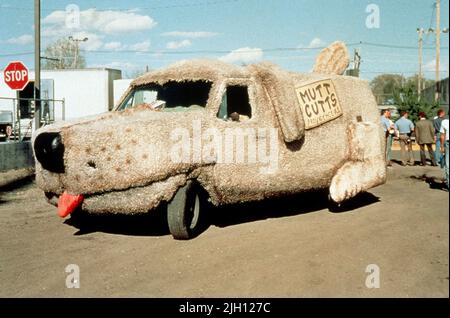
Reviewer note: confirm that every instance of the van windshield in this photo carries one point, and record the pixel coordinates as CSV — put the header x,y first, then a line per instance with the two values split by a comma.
x,y
170,97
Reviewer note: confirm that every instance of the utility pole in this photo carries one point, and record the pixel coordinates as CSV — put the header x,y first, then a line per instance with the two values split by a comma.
x,y
356,64
37,63
438,49
77,49
357,61
419,76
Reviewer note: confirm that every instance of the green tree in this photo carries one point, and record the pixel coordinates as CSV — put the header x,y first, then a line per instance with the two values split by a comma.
x,y
64,54
384,86
407,99
413,81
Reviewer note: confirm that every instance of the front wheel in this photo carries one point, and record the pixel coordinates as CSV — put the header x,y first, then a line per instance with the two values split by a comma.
x,y
185,212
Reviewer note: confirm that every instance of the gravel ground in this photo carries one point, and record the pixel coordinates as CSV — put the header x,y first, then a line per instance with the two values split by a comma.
x,y
295,247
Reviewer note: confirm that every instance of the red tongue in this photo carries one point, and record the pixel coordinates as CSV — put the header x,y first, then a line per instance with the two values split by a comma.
x,y
68,203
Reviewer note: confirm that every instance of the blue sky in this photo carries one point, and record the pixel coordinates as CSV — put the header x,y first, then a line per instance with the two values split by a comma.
x,y
132,34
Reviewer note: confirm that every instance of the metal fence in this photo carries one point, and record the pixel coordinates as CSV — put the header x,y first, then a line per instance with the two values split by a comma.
x,y
23,113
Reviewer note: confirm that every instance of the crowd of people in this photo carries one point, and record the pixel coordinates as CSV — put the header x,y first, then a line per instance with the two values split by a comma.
x,y
426,133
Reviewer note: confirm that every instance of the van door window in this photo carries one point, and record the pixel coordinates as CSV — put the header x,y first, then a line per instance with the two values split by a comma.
x,y
170,97
235,105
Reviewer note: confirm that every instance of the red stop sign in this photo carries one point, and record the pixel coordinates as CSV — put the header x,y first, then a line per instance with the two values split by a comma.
x,y
16,75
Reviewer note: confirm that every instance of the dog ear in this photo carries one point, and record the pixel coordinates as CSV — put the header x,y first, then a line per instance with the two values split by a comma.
x,y
332,60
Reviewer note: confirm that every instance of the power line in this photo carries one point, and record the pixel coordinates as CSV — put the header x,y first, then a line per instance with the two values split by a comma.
x,y
397,61
280,49
162,7
186,52
203,51
393,46
16,54
399,72
203,3
431,23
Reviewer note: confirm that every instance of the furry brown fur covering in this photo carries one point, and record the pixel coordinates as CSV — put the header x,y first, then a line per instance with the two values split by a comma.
x,y
120,161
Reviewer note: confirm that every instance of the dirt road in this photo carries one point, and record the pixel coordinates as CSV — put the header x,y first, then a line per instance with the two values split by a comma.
x,y
293,247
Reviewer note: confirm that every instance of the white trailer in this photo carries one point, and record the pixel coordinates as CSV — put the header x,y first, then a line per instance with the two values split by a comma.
x,y
120,86
85,92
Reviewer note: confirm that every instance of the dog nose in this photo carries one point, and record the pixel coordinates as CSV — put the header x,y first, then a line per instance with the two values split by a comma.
x,y
49,151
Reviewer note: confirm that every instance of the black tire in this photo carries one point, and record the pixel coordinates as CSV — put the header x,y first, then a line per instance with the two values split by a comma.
x,y
185,212
333,206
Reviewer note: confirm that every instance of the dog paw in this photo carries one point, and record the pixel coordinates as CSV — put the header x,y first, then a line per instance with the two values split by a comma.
x,y
355,177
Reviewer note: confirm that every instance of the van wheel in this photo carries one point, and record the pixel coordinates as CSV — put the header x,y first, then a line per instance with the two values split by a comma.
x,y
334,206
185,212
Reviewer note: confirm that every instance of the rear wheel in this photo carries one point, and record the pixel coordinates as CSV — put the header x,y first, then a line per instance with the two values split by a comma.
x,y
185,212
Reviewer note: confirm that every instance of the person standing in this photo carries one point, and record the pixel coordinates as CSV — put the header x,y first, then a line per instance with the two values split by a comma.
x,y
425,137
405,128
437,130
387,128
444,147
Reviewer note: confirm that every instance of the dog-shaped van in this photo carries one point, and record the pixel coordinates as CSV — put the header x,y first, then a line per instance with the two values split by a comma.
x,y
206,130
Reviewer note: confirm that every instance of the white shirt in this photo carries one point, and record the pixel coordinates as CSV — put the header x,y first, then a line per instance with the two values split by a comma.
x,y
444,128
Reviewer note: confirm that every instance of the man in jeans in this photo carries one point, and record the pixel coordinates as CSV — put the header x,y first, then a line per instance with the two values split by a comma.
x,y
437,130
444,147
405,128
387,128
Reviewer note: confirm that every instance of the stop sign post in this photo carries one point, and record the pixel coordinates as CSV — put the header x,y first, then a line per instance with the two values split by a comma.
x,y
16,75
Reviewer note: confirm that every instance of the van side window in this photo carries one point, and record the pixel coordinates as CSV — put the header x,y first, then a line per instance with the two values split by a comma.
x,y
235,105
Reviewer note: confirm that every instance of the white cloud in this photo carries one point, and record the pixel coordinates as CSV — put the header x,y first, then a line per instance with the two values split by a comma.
x,y
55,32
431,65
118,46
314,44
96,25
140,47
129,70
130,23
94,41
190,35
21,40
243,55
178,44
109,22
113,46
117,65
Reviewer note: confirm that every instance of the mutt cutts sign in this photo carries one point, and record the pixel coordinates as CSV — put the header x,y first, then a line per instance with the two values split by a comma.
x,y
319,103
